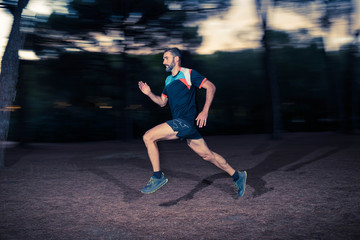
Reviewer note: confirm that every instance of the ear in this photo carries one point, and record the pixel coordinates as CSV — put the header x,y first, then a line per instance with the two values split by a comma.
x,y
177,59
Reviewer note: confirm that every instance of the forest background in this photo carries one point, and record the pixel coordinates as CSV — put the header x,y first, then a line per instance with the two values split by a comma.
x,y
80,87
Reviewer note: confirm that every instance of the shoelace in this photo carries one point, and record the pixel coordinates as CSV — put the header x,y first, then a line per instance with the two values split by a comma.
x,y
150,181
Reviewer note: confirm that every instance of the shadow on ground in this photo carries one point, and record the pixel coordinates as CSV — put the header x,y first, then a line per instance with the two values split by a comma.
x,y
92,191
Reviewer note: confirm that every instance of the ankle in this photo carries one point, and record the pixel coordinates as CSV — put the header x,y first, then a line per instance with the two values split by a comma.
x,y
235,176
157,174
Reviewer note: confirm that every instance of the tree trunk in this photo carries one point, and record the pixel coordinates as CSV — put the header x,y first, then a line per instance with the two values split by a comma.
x,y
273,96
356,87
352,110
128,118
9,76
274,118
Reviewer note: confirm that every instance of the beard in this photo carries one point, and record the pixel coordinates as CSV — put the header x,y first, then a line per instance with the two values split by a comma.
x,y
170,67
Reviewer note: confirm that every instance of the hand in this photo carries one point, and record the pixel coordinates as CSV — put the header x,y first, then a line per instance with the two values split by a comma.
x,y
201,119
145,89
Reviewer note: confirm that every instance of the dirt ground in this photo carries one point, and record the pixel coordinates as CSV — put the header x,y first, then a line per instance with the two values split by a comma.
x,y
304,186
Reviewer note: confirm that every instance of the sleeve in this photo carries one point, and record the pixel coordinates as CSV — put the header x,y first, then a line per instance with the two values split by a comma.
x,y
164,93
197,79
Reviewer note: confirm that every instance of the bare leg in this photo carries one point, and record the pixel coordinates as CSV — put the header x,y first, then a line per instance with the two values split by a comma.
x,y
200,147
151,137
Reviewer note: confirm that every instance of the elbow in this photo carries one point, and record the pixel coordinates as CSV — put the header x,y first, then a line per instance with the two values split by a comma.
x,y
213,88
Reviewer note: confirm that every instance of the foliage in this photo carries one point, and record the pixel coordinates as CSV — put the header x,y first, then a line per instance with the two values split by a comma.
x,y
64,95
132,25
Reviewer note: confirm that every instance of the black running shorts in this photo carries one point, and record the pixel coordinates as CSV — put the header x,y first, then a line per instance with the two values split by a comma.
x,y
184,129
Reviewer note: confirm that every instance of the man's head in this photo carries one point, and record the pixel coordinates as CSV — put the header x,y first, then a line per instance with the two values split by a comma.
x,y
172,57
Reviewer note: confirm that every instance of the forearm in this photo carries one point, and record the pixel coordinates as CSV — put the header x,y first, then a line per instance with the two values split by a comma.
x,y
210,92
157,99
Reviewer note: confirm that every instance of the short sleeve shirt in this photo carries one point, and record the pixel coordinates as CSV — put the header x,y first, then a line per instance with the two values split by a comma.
x,y
180,90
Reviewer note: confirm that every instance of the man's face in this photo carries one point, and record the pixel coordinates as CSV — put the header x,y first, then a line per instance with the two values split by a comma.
x,y
168,61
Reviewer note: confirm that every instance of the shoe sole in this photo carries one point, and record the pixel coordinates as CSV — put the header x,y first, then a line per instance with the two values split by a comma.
x,y
156,188
244,184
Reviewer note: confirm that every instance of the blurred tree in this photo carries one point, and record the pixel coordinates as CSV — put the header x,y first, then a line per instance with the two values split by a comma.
x,y
347,87
351,120
122,27
346,100
9,70
273,99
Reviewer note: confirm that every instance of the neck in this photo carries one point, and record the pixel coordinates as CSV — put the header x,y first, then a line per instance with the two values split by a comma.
x,y
175,70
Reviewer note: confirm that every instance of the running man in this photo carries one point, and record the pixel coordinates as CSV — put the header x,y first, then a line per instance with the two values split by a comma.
x,y
179,91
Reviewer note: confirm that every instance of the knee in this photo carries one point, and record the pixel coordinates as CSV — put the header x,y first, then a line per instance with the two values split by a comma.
x,y
208,156
147,138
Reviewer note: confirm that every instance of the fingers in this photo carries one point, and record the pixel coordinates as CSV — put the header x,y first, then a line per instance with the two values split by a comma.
x,y
200,122
203,123
201,119
144,88
142,84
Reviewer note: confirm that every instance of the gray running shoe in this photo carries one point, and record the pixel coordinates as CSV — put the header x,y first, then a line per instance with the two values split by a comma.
x,y
154,184
240,184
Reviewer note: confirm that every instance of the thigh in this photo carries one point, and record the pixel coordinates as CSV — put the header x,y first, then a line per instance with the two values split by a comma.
x,y
199,146
161,132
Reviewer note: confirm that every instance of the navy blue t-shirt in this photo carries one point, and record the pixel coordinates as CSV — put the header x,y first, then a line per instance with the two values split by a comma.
x,y
180,90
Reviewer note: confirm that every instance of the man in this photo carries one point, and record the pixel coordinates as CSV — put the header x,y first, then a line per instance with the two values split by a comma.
x,y
179,91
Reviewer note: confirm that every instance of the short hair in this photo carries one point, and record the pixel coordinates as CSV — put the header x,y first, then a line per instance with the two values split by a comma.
x,y
174,51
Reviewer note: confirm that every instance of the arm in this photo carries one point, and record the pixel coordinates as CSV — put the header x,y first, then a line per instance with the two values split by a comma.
x,y
159,100
210,92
